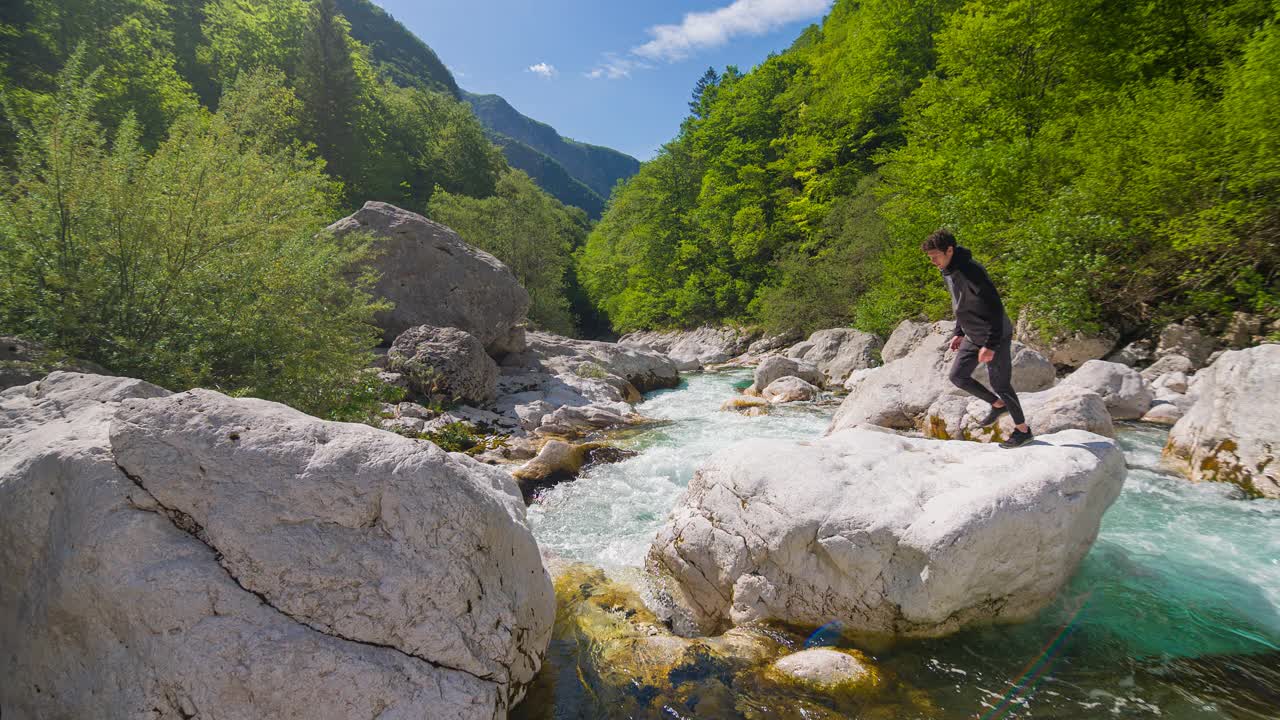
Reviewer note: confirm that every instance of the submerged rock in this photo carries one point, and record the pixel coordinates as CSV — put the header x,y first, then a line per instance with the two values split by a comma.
x,y
435,278
194,555
888,535
611,656
751,407
1232,431
834,671
558,461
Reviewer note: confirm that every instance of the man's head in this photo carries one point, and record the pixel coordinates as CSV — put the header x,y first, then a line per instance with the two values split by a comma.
x,y
940,246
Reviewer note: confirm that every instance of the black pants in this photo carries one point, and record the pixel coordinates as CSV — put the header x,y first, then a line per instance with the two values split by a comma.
x,y
999,370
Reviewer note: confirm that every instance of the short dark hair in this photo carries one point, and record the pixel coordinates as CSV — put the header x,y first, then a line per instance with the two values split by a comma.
x,y
939,240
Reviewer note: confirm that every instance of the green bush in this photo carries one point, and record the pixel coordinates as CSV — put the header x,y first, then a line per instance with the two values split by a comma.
x,y
201,264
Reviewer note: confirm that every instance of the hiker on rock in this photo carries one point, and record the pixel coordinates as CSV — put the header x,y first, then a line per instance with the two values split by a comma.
x,y
984,333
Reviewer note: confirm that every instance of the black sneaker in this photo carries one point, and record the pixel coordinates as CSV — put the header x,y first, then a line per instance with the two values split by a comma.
x,y
993,416
1017,439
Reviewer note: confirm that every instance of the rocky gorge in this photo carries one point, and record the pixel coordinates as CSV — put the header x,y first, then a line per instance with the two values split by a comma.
x,y
195,555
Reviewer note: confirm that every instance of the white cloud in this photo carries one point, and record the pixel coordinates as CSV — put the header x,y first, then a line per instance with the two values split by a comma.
x,y
546,70
700,30
616,67
455,71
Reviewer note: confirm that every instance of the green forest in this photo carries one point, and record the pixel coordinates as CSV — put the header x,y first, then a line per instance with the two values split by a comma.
x,y
170,165
1111,163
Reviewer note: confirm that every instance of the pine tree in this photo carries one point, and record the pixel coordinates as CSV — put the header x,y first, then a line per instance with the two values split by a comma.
x,y
330,88
704,92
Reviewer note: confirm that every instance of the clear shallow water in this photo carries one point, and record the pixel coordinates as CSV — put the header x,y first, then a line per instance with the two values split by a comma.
x,y
1175,613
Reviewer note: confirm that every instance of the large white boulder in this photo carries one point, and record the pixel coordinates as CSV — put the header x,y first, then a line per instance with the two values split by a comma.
x,y
1127,394
777,366
197,556
899,394
1231,433
838,352
888,535
1062,407
435,278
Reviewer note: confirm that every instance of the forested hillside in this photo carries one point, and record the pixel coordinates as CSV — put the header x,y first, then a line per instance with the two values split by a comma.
x,y
169,166
1109,162
401,55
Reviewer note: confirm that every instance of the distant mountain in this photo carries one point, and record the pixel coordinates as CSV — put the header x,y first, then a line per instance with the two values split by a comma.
x,y
574,173
599,168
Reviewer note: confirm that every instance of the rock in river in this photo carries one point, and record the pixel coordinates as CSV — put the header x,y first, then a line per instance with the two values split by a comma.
x,y
888,535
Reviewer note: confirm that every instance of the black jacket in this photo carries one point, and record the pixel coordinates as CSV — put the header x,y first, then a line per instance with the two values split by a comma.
x,y
980,314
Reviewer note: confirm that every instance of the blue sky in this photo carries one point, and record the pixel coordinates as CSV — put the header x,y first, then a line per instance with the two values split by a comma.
x,y
606,72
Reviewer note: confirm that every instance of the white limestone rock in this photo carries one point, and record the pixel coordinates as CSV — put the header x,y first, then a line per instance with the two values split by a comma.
x,y
692,350
777,366
889,535
790,389
1127,394
273,574
899,394
1062,407
435,278
1232,431
1169,364
904,339
838,352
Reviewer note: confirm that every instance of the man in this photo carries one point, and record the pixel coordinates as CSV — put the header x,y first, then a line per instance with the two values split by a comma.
x,y
984,333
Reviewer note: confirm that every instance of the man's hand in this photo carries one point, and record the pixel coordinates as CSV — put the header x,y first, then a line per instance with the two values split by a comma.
x,y
986,355
956,341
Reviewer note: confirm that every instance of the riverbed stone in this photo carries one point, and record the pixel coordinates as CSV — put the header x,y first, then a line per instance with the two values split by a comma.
x,y
829,670
1169,364
1187,340
445,364
790,389
888,535
1127,394
899,394
777,366
749,406
435,278
837,352
1062,407
1232,431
